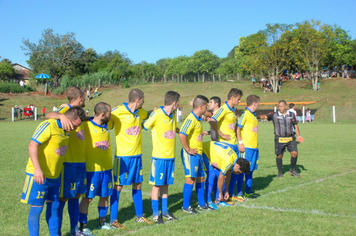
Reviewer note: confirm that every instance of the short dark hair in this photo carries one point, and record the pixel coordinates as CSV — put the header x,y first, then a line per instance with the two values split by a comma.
x,y
244,165
200,100
234,92
170,97
216,100
252,99
75,112
291,105
101,107
134,94
282,101
73,93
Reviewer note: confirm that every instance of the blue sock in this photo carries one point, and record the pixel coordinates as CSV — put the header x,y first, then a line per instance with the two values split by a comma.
x,y
211,179
103,211
73,211
137,199
165,206
52,217
199,188
240,183
33,221
187,194
155,207
215,189
60,215
114,205
249,182
232,185
207,185
83,218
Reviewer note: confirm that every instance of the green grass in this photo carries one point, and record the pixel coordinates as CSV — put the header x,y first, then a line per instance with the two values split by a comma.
x,y
321,202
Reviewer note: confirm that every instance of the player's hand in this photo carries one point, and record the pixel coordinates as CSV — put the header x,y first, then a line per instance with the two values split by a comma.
x,y
226,137
241,147
39,176
192,151
66,123
227,196
221,197
177,130
205,133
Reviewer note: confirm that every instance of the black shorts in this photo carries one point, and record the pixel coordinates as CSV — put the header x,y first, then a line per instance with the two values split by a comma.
x,y
281,143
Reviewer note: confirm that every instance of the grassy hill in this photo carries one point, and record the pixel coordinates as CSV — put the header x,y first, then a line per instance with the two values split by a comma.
x,y
340,92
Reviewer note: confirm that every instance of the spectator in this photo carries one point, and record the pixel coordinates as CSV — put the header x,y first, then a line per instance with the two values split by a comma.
x,y
22,83
43,111
88,95
253,79
21,111
96,93
55,108
308,114
292,110
87,112
16,112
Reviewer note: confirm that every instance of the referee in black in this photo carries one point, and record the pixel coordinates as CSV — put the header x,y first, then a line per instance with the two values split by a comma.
x,y
284,122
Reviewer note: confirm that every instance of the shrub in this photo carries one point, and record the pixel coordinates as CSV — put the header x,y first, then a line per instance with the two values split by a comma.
x,y
14,88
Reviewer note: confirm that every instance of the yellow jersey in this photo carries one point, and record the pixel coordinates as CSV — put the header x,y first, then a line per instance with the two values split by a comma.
x,y
248,125
53,142
221,156
226,120
193,128
98,146
128,130
163,128
76,147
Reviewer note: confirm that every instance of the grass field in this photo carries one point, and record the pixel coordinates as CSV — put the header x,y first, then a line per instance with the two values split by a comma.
x,y
321,202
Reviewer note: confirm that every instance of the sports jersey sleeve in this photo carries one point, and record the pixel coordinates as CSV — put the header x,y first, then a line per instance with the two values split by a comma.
x,y
42,133
294,119
143,114
110,124
150,122
114,117
63,109
219,114
186,127
241,121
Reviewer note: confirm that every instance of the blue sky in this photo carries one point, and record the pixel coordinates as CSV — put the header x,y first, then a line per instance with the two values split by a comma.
x,y
155,29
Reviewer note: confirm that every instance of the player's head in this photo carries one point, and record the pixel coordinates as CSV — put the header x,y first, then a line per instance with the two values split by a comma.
x,y
252,102
75,96
200,103
76,115
137,96
282,106
172,98
291,106
235,96
241,166
214,103
103,111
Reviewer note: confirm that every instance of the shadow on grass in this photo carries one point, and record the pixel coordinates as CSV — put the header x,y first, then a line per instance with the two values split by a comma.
x,y
3,99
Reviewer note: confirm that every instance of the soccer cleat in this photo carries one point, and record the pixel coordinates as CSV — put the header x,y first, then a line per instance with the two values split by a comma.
x,y
190,210
85,232
205,208
280,175
117,225
169,217
144,220
222,204
238,199
213,206
251,195
294,173
106,226
158,219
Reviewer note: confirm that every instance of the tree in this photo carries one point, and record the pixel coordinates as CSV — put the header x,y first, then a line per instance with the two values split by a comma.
x,y
120,67
204,62
54,54
86,60
6,70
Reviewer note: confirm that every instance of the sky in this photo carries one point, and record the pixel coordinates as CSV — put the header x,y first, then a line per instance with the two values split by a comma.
x,y
154,29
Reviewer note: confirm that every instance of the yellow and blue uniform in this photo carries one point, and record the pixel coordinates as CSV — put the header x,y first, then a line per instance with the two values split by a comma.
x,y
53,143
163,128
193,128
73,176
98,159
248,125
128,155
226,121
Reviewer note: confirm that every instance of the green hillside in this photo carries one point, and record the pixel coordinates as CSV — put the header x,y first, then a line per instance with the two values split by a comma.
x,y
338,91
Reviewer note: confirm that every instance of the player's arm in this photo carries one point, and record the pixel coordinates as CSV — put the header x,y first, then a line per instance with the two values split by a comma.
x,y
184,142
65,122
227,183
239,139
33,151
221,181
214,125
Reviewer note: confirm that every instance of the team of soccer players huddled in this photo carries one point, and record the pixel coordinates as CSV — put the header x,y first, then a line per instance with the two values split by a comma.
x,y
71,157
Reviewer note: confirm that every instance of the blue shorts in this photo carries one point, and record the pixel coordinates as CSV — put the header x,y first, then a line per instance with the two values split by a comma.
x,y
193,164
36,194
234,147
128,170
99,183
162,171
207,164
252,155
73,180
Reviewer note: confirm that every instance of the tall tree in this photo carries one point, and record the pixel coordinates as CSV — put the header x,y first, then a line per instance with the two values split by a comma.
x,y
6,70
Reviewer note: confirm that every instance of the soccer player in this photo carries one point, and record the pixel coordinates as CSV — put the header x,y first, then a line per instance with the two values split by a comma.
x,y
47,148
247,132
284,122
224,123
99,166
191,136
128,158
74,170
163,125
224,159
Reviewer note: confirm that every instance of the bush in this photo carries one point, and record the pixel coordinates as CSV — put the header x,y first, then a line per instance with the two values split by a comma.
x,y
14,88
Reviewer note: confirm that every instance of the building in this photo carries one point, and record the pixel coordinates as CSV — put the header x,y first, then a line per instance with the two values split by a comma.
x,y
22,73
